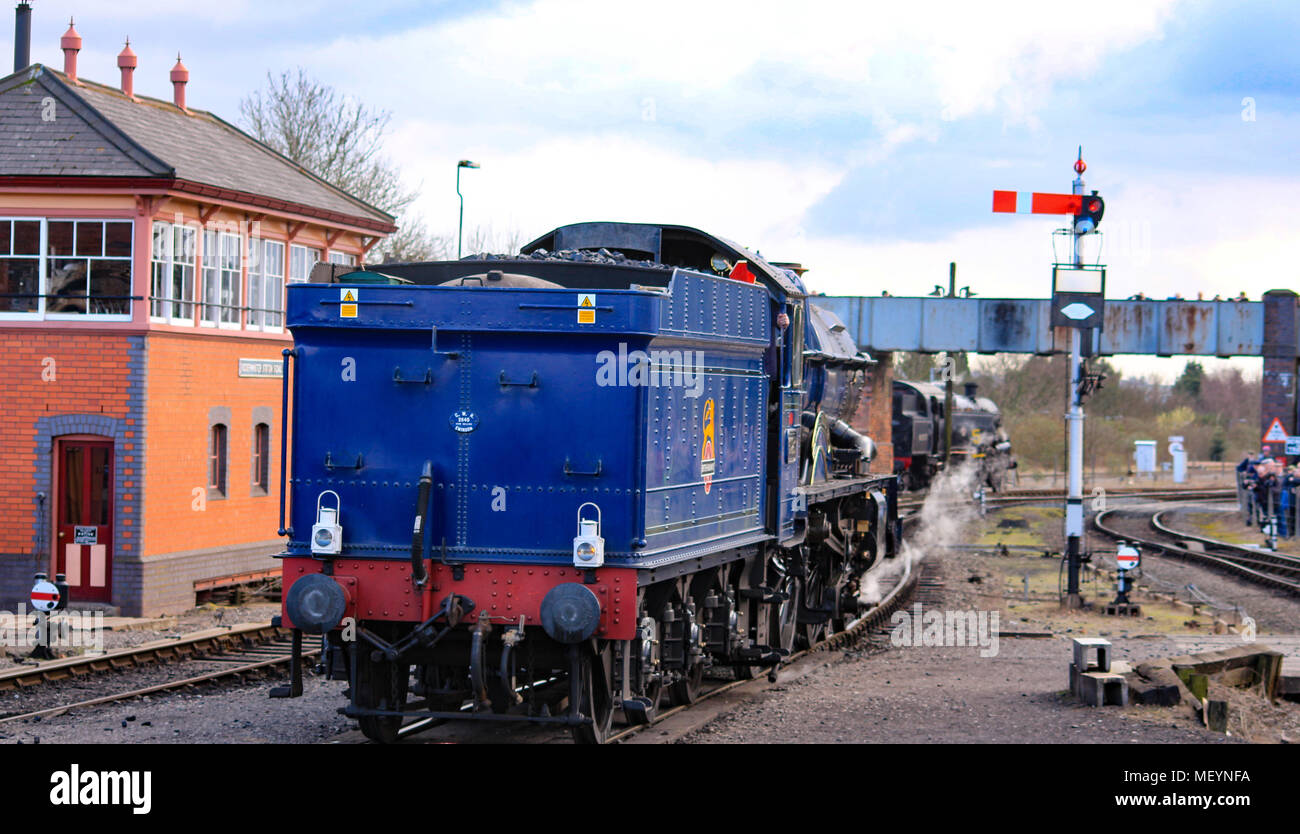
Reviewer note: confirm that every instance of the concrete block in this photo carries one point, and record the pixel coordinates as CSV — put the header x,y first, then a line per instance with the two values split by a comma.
x,y
1101,689
1084,646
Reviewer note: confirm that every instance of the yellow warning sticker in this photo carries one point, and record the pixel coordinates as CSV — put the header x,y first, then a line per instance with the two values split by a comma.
x,y
347,303
586,308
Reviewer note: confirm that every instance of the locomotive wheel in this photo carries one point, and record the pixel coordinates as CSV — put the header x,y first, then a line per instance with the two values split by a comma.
x,y
814,596
687,688
381,685
785,616
654,692
595,696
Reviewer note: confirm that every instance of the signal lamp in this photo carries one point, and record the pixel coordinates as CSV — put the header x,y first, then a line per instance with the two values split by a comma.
x,y
327,533
588,545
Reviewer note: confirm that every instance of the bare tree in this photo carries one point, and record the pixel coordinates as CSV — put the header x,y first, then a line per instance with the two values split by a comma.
x,y
340,140
413,242
485,239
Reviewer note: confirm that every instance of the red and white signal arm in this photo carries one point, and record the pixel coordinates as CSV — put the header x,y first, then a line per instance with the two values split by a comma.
x,y
45,596
1127,556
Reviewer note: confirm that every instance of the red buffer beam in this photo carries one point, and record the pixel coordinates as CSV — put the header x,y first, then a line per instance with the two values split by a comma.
x,y
1033,202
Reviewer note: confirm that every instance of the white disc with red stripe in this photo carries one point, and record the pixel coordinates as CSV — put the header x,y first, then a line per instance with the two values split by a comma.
x,y
45,597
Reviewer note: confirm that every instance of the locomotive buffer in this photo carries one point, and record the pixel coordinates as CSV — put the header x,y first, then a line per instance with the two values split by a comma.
x,y
1078,302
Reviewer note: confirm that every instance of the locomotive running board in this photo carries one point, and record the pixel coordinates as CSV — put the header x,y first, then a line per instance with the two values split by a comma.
x,y
838,488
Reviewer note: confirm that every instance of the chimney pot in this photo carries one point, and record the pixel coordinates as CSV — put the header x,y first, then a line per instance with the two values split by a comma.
x,y
71,45
126,62
180,77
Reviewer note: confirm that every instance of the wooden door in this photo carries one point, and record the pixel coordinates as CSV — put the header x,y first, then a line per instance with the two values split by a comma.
x,y
84,549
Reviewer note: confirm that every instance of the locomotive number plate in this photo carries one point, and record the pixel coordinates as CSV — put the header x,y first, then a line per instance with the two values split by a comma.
x,y
464,421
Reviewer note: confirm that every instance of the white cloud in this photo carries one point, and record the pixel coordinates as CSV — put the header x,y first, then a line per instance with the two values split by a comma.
x,y
612,177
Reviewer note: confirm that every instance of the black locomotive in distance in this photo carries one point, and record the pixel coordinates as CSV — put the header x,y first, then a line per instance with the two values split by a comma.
x,y
919,435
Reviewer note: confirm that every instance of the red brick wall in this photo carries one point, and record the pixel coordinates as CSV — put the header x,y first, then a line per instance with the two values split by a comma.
x,y
90,376
875,413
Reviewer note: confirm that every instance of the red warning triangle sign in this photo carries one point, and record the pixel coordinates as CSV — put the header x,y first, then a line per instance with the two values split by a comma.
x,y
1275,433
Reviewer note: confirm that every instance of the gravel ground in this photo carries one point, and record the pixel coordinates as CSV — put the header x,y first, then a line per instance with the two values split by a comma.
x,y
884,693
948,695
216,715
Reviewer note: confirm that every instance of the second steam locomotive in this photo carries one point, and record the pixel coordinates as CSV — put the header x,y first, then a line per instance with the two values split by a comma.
x,y
920,434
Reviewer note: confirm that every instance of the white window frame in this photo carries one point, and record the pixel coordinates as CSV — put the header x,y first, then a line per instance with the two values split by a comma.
x,y
341,258
42,271
289,279
170,265
236,277
259,272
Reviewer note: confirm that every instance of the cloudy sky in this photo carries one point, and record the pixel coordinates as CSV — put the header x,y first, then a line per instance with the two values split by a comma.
x,y
862,139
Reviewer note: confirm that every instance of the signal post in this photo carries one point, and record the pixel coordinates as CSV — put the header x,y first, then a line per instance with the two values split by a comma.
x,y
1078,303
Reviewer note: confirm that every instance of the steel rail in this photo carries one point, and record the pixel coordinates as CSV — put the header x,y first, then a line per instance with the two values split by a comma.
x,y
208,677
1035,496
1289,564
1221,562
169,650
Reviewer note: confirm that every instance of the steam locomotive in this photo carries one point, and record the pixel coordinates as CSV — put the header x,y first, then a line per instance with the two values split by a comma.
x,y
919,433
557,486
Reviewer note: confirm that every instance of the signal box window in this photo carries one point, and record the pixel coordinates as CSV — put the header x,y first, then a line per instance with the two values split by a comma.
x,y
261,458
217,449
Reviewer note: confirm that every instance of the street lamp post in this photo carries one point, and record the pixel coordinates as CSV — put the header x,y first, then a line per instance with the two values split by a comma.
x,y
460,226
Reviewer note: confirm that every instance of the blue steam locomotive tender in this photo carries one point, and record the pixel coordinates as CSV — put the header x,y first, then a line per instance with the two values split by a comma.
x,y
549,487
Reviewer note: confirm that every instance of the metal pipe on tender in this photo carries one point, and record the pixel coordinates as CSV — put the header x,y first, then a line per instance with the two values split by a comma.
x,y
418,574
22,35
287,353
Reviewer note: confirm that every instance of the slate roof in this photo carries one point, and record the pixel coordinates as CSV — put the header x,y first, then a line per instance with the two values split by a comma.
x,y
92,130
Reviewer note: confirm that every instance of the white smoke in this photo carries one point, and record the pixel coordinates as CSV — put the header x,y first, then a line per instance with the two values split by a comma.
x,y
946,515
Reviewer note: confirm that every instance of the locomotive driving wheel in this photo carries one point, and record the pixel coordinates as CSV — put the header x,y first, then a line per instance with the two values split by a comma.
x,y
380,685
785,614
595,694
812,620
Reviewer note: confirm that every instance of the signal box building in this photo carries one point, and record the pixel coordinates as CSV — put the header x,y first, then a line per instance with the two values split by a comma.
x,y
144,251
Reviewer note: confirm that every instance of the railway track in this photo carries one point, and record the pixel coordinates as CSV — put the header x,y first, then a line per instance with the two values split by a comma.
x,y
1033,496
1273,570
200,644
249,651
